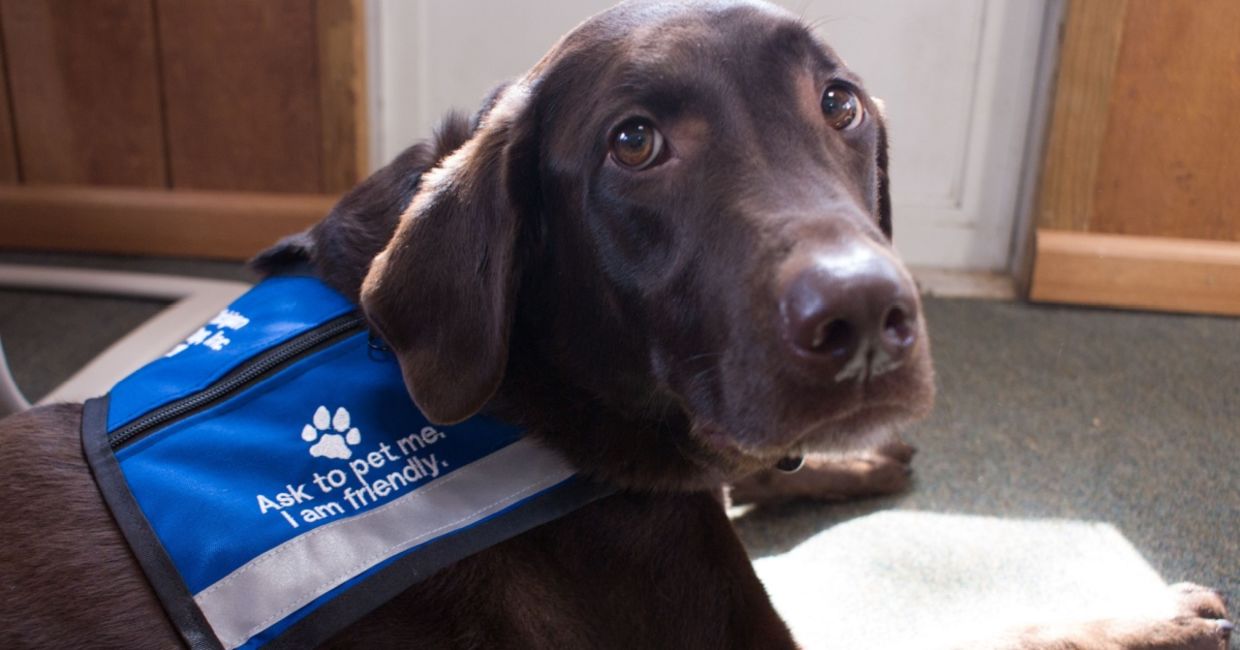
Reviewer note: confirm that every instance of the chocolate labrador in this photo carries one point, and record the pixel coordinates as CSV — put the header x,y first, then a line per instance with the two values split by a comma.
x,y
665,252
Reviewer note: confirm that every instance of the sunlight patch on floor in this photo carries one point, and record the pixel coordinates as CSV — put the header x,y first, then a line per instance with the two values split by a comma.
x,y
899,579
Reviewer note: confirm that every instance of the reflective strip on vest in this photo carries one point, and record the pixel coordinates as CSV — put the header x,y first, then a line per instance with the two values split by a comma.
x,y
290,576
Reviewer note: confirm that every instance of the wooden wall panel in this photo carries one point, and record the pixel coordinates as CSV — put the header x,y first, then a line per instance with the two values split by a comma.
x,y
1092,34
1171,159
8,146
242,94
85,96
342,92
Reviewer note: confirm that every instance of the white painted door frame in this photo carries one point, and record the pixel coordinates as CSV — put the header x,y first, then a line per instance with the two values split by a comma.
x,y
974,227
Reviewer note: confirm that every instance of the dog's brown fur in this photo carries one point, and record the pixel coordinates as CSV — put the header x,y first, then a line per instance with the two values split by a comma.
x,y
624,320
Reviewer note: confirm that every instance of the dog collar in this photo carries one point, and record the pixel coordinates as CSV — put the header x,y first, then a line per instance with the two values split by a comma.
x,y
276,483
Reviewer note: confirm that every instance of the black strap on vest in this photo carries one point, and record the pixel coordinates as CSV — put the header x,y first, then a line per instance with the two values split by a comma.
x,y
182,611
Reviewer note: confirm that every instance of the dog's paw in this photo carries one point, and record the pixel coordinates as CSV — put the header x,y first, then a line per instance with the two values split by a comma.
x,y
334,434
1202,615
1198,622
897,450
1195,600
875,472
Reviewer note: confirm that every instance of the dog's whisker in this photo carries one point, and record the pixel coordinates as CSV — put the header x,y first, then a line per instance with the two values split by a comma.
x,y
704,355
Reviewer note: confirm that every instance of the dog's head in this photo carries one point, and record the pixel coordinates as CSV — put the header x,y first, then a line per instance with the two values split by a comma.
x,y
676,228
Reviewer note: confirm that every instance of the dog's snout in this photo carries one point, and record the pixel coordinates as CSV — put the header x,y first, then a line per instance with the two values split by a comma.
x,y
851,308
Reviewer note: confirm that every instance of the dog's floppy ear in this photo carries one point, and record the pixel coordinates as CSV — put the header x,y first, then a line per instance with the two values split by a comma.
x,y
441,293
884,183
287,253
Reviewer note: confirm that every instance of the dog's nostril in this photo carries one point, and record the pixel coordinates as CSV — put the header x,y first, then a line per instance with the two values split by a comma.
x,y
898,329
834,338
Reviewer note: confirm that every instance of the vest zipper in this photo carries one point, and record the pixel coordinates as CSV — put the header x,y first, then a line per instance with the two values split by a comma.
x,y
247,373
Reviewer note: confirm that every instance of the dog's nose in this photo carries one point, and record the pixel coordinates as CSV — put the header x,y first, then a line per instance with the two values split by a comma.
x,y
851,303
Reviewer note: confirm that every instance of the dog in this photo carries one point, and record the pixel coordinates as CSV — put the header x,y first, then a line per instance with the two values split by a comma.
x,y
665,252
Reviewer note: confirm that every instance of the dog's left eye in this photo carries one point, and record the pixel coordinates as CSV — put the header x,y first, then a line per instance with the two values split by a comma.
x,y
842,108
636,144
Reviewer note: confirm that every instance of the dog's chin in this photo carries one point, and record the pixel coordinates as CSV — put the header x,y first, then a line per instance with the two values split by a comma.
x,y
863,427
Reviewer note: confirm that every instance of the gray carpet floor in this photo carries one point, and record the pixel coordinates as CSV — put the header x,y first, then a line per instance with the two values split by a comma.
x,y
1044,413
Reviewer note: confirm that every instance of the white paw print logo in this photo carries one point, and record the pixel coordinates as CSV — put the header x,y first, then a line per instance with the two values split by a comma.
x,y
331,445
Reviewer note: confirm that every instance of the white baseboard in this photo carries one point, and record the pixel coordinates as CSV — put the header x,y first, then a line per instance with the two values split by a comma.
x,y
951,283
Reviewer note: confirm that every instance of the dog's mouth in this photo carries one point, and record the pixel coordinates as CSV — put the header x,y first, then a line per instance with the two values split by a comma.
x,y
746,416
855,428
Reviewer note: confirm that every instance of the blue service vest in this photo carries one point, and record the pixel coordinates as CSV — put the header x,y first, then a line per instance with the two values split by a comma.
x,y
276,482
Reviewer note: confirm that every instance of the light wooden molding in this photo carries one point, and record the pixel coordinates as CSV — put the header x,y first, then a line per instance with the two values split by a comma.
x,y
1092,35
221,225
1163,274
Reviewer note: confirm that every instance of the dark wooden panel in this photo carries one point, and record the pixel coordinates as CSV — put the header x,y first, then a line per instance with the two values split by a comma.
x,y
342,79
225,225
8,146
1170,163
242,94
85,95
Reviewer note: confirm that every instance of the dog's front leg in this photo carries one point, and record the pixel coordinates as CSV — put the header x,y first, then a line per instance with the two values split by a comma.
x,y
1199,624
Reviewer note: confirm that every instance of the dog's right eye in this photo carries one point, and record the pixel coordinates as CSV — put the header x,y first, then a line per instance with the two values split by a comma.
x,y
636,144
842,108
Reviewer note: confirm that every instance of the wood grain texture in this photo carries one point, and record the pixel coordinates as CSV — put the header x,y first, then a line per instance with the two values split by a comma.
x,y
9,172
1159,273
1092,34
1170,165
342,92
242,94
223,225
85,94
